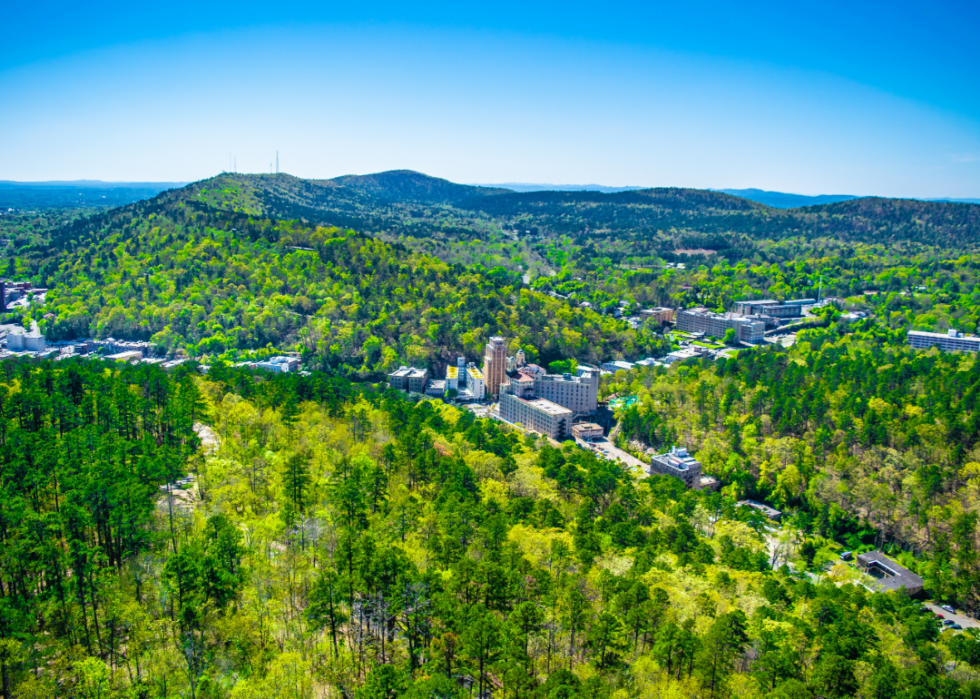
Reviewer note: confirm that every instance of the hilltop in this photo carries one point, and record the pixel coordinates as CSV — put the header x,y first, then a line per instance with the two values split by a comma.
x,y
402,202
413,187
238,262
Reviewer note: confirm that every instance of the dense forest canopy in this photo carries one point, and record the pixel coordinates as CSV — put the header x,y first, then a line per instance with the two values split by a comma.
x,y
182,274
332,540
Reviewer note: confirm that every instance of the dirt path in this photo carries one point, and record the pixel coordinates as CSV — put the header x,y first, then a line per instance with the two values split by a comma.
x,y
209,440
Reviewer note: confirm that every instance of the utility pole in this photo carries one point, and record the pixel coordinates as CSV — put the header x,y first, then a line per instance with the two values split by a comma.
x,y
277,162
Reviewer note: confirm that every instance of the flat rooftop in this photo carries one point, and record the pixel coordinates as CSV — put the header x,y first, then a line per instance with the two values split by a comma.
x,y
410,372
475,373
548,407
888,574
943,336
761,507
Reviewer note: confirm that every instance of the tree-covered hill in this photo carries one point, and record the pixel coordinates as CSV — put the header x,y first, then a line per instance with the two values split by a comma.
x,y
413,187
185,274
159,268
335,541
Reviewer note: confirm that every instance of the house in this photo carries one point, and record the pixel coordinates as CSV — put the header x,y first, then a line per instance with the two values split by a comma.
x,y
889,575
770,512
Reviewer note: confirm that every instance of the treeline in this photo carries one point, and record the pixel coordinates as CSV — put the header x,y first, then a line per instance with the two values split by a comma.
x,y
339,540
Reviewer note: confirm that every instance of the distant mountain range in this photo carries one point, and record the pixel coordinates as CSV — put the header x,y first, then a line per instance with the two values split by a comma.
x,y
777,200
783,200
78,193
393,185
94,183
528,187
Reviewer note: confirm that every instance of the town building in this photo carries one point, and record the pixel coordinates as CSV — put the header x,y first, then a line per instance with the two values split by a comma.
x,y
436,388
770,512
710,483
659,315
519,406
129,356
951,341
580,394
279,364
495,365
679,464
889,575
777,309
476,387
408,379
701,320
587,430
23,341
618,365
453,372
682,354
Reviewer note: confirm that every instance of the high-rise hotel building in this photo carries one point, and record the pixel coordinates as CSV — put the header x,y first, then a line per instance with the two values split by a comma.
x,y
495,365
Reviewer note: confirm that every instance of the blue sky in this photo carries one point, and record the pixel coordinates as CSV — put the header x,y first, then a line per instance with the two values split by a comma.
x,y
810,98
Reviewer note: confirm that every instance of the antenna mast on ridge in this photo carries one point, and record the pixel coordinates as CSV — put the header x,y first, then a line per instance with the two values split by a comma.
x,y
277,162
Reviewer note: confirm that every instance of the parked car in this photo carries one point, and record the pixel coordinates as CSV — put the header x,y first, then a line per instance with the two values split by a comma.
x,y
847,555
939,616
948,622
956,627
949,609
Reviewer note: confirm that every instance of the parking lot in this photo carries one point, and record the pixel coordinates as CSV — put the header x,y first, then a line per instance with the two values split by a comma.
x,y
609,450
961,619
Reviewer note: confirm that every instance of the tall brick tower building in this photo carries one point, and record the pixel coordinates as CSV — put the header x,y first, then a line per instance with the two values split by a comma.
x,y
495,365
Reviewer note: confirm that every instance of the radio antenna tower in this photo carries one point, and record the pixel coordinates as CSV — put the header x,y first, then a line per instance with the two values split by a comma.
x,y
236,164
277,162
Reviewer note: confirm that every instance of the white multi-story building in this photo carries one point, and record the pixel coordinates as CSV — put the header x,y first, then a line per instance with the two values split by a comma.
x,y
952,341
580,394
792,308
535,414
475,383
701,320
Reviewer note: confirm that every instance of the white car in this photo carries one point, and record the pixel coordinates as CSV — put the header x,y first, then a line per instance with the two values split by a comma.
x,y
947,608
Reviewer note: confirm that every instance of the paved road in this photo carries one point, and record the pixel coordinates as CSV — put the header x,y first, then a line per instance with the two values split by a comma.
x,y
606,447
961,619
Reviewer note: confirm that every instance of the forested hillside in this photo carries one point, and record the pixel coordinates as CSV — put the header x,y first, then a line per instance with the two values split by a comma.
x,y
184,274
615,249
336,541
874,442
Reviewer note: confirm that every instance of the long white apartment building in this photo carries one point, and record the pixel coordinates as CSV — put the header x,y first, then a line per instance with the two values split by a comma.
x,y
519,405
950,341
791,308
701,320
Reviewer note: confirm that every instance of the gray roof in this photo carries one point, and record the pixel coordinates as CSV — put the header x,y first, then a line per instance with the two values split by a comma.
x,y
891,575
